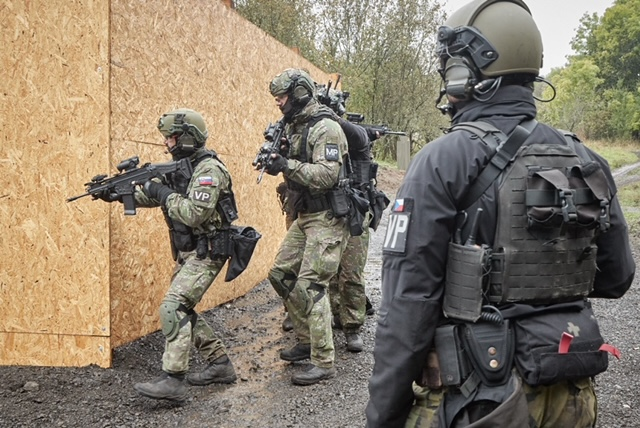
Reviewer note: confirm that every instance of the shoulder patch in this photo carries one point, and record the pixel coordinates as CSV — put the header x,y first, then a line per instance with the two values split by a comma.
x,y
201,196
395,240
207,180
331,152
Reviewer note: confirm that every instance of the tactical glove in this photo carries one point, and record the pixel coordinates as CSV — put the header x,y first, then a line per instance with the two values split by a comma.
x,y
157,191
276,165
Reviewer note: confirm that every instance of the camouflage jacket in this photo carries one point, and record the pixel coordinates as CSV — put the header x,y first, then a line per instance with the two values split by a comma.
x,y
325,148
197,208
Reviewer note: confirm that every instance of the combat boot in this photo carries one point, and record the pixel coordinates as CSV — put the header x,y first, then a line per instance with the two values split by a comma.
x,y
336,324
315,375
287,324
369,307
354,342
166,387
219,370
300,352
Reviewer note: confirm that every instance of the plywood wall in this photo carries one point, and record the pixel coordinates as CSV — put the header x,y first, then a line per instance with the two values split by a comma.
x,y
54,116
83,86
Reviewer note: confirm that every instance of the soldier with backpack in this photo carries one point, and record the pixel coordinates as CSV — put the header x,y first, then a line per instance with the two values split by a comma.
x,y
502,230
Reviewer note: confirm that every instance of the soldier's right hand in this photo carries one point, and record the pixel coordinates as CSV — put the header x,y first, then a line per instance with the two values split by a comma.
x,y
284,147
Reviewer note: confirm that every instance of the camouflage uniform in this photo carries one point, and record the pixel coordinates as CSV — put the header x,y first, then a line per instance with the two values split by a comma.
x,y
193,277
310,252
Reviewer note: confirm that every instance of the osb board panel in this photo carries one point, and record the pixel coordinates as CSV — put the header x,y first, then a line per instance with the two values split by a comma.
x,y
54,116
26,349
167,54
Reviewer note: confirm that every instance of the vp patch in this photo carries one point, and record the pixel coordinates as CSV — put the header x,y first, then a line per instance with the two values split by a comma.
x,y
207,180
331,152
395,240
201,196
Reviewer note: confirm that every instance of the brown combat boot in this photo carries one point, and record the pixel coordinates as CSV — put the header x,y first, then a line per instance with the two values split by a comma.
x,y
219,371
166,387
314,375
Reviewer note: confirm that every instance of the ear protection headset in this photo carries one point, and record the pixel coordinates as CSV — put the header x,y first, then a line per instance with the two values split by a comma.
x,y
299,93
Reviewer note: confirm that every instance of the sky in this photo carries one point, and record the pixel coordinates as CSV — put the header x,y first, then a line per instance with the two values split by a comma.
x,y
557,21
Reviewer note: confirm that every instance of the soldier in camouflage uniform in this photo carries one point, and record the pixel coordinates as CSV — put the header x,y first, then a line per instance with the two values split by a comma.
x,y
190,205
310,252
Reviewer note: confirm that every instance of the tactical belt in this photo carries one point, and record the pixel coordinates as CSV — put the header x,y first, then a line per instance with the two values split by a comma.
x,y
315,203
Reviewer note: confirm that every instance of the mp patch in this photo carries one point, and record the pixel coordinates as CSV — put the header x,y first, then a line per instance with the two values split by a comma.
x,y
331,152
201,196
395,240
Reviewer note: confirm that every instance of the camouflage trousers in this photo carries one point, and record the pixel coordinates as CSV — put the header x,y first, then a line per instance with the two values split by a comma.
x,y
190,280
565,404
306,261
347,288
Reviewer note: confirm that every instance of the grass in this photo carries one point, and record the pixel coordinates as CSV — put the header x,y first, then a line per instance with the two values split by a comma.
x,y
618,154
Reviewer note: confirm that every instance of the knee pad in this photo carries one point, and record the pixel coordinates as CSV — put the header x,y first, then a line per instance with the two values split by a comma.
x,y
300,297
282,283
169,319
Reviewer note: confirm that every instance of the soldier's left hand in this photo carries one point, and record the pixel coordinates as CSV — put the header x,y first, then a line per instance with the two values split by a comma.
x,y
276,165
157,191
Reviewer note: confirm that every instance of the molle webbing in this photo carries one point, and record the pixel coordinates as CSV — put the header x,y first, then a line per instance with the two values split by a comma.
x,y
536,264
361,172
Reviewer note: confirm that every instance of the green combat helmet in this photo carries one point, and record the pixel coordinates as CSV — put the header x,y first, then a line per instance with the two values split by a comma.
x,y
294,82
189,128
486,43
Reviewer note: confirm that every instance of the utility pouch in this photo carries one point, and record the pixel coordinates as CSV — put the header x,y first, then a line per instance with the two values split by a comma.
x,y
454,367
339,202
182,236
467,267
202,248
540,357
491,350
220,247
227,209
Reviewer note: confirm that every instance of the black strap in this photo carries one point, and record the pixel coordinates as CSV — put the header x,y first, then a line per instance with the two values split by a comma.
x,y
305,134
498,162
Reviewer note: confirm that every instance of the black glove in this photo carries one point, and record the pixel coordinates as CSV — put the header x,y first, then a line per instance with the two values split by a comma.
x,y
284,147
107,196
276,165
157,191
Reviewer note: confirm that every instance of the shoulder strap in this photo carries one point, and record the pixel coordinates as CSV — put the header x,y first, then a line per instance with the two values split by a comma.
x,y
504,153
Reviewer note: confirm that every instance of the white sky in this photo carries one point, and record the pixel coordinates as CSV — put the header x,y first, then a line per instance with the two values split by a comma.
x,y
557,21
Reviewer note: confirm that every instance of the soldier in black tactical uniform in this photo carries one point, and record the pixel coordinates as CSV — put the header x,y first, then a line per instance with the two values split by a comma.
x,y
544,231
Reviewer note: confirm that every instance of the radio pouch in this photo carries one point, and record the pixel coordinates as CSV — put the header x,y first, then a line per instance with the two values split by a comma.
x,y
466,269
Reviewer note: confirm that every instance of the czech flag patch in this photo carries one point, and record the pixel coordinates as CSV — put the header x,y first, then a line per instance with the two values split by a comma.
x,y
207,181
398,206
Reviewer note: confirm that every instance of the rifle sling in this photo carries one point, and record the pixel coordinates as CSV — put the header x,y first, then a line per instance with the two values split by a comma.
x,y
498,162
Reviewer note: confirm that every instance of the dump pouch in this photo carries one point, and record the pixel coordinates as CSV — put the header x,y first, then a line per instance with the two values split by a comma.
x,y
466,270
359,207
243,242
339,202
379,202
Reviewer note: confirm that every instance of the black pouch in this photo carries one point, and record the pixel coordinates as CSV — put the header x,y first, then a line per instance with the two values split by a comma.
x,y
227,208
538,338
466,269
243,242
359,207
379,202
491,349
182,236
339,202
454,367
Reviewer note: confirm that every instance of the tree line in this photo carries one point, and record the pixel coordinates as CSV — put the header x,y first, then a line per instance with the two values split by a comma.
x,y
385,52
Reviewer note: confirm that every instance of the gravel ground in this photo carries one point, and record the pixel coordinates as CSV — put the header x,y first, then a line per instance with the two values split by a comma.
x,y
263,395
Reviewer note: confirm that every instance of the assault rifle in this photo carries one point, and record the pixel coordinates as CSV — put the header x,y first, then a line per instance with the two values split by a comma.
x,y
272,136
380,129
130,175
336,102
